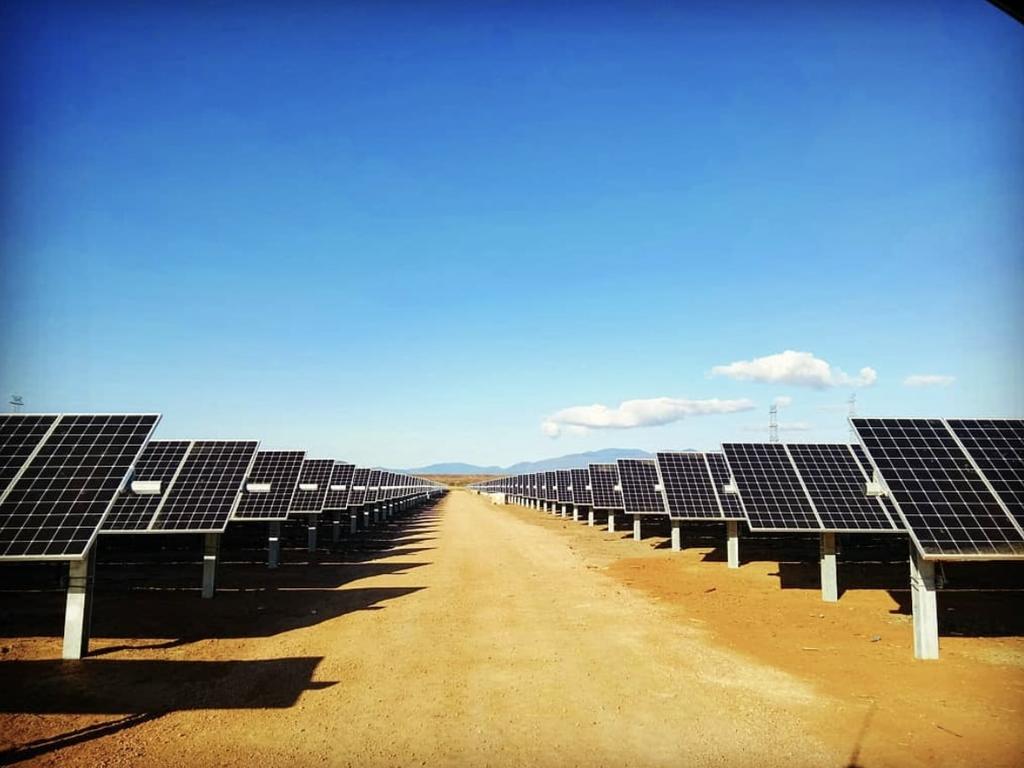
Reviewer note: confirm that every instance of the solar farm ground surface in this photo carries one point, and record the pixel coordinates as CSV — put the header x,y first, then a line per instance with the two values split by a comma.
x,y
475,634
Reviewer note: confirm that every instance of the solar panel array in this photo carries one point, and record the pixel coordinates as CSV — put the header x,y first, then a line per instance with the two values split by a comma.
x,y
340,486
947,482
581,495
640,488
691,490
604,486
564,479
314,472
54,505
360,477
279,469
208,487
805,487
769,489
550,486
372,486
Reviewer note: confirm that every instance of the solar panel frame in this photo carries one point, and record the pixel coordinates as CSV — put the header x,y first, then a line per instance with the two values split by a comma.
x,y
837,487
341,474
604,480
949,510
771,492
581,495
640,493
54,507
281,469
718,468
207,487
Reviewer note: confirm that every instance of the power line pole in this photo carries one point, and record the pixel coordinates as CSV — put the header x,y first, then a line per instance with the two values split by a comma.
x,y
852,411
17,403
773,424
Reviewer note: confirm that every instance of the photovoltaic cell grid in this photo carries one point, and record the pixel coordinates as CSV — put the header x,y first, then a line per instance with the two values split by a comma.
x,y
688,488
536,481
581,495
341,475
564,479
55,508
159,461
207,487
318,473
941,497
372,486
997,448
837,488
280,469
359,479
769,489
639,478
603,479
20,433
550,486
730,502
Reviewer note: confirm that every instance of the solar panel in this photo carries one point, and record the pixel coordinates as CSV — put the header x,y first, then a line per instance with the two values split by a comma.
x,y
386,491
769,489
940,496
997,448
159,462
20,435
564,479
837,487
550,486
729,502
688,488
360,477
278,469
315,475
639,481
54,508
603,480
373,486
341,479
204,493
537,481
581,495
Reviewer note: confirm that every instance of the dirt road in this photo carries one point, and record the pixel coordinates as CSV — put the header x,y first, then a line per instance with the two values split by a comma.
x,y
477,635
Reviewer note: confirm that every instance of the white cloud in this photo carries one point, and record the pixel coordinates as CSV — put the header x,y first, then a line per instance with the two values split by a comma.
x,y
636,413
928,380
783,401
794,368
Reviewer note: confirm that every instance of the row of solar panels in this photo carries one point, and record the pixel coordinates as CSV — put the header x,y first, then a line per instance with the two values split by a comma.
x,y
66,477
956,486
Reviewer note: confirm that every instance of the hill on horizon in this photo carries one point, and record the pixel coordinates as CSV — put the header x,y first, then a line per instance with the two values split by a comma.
x,y
569,461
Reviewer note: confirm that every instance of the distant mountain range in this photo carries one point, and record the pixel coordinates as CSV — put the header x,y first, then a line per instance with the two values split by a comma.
x,y
570,461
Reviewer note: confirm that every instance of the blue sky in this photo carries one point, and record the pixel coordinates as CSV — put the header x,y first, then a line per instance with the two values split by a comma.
x,y
399,233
